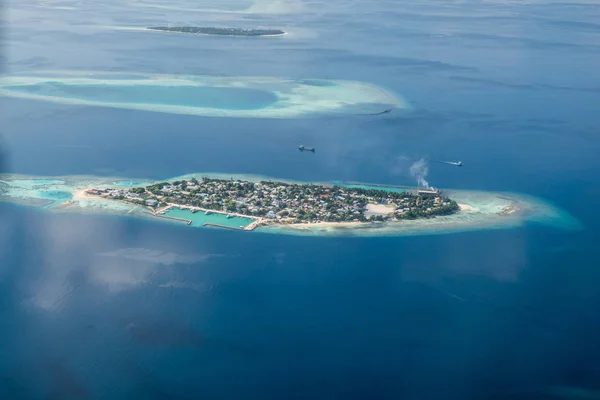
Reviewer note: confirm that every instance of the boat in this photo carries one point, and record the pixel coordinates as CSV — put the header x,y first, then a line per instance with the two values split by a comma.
x,y
229,216
302,148
207,212
386,111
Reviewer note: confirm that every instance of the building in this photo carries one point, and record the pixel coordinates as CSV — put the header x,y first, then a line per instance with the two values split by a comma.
x,y
429,192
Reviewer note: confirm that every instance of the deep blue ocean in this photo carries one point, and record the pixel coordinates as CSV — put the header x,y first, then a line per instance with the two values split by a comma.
x,y
108,307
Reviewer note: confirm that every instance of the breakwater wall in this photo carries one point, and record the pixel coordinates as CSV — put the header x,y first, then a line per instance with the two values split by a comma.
x,y
223,226
187,221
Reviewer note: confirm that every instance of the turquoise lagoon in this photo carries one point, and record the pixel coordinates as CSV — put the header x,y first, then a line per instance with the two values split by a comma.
x,y
56,197
47,192
125,182
262,97
228,98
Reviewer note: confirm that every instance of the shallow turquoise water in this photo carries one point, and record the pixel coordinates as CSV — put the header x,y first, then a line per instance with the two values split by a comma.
x,y
46,182
56,196
386,188
199,218
190,96
314,82
103,307
117,76
128,182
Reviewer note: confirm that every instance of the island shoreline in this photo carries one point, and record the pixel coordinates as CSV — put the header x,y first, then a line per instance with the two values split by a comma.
x,y
479,210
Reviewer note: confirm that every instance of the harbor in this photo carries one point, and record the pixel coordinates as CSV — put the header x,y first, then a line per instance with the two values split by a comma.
x,y
196,216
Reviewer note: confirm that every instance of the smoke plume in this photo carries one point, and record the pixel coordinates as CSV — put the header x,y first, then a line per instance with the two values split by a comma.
x,y
419,170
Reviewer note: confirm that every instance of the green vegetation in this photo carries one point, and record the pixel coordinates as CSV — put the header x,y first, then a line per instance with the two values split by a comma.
x,y
426,208
138,190
288,203
218,31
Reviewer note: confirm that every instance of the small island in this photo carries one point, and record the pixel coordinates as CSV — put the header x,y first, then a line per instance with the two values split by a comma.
x,y
277,206
218,31
277,203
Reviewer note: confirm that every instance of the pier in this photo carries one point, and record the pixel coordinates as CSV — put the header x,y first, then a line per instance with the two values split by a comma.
x,y
253,225
208,211
187,221
223,226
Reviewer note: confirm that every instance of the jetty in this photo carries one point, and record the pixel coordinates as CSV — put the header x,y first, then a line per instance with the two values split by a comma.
x,y
187,221
235,228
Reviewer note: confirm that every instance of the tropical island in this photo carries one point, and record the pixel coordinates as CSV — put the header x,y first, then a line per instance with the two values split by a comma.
x,y
249,202
271,202
218,31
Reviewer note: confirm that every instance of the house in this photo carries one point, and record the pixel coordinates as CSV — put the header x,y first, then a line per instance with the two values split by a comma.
x,y
152,202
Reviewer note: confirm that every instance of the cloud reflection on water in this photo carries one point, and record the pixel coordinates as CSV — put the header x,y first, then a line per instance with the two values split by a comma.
x,y
72,248
158,257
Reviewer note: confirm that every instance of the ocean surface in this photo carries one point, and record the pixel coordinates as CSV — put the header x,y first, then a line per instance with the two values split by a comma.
x,y
113,307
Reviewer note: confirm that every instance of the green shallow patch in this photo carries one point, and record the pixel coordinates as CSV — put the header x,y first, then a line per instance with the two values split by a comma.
x,y
226,98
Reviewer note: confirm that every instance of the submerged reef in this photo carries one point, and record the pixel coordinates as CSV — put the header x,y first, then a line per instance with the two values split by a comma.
x,y
247,97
